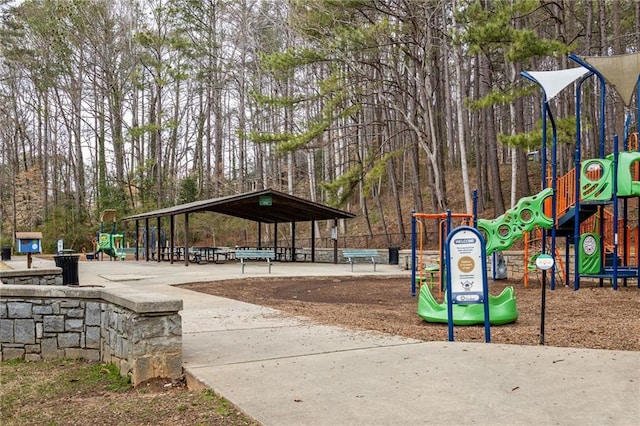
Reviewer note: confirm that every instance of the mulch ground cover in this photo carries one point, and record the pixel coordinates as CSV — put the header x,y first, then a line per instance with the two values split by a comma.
x,y
592,317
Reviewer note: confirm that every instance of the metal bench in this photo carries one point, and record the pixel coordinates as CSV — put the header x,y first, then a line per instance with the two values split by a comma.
x,y
351,254
255,254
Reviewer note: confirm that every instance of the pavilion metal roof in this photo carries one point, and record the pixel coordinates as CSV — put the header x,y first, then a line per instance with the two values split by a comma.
x,y
268,206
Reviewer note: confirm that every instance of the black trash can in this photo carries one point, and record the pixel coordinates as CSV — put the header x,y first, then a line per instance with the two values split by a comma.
x,y
394,255
69,265
6,253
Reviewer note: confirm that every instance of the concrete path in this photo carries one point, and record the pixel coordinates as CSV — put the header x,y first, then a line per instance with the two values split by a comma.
x,y
282,370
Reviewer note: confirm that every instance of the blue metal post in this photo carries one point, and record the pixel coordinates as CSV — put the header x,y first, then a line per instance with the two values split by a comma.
x,y
413,253
576,209
615,212
475,208
554,198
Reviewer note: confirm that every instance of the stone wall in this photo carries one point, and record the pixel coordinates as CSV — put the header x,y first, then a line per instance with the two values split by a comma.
x,y
49,276
514,259
138,332
325,255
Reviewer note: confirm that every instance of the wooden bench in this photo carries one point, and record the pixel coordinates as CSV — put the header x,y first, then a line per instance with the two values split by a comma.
x,y
351,254
255,254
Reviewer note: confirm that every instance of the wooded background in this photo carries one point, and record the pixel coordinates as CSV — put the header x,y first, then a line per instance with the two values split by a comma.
x,y
378,107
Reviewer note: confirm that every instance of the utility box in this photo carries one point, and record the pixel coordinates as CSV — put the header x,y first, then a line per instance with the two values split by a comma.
x,y
29,242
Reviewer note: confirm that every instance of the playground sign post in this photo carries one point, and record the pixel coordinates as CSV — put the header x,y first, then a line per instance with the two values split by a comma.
x,y
467,273
544,262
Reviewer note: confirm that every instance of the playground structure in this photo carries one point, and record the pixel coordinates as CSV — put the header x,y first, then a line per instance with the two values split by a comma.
x,y
589,205
500,234
502,308
109,243
525,216
444,221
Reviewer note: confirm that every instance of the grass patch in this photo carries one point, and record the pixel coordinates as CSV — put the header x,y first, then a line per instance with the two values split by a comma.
x,y
71,392
105,375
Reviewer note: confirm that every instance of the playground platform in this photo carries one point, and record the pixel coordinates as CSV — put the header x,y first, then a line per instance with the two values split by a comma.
x,y
283,370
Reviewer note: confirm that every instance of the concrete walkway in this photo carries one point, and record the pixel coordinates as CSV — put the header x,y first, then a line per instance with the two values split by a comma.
x,y
282,370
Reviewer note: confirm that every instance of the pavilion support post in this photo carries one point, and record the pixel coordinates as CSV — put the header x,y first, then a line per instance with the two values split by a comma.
x,y
172,230
259,235
147,238
293,241
275,240
335,241
186,239
158,240
313,241
137,243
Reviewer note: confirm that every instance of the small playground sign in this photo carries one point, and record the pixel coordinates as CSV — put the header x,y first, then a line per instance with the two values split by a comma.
x,y
466,263
544,262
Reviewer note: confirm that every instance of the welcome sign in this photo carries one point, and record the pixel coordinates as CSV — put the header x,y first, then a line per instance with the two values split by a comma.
x,y
467,274
467,270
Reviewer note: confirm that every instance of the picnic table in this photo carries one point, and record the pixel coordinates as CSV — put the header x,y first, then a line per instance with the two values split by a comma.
x,y
206,254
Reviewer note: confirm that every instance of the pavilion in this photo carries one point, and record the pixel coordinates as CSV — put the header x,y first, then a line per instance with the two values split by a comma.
x,y
265,206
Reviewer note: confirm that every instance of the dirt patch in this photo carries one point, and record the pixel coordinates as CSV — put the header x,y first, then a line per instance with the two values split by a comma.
x,y
593,317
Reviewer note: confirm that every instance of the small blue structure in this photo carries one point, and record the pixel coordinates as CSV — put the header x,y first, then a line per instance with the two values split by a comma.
x,y
29,242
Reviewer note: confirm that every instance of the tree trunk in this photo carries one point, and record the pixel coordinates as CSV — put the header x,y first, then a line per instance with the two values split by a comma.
x,y
490,138
460,122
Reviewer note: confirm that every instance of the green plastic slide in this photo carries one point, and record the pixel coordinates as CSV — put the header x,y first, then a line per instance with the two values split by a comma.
x,y
502,309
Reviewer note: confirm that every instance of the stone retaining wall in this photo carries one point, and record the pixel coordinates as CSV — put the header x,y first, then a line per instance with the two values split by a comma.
x,y
514,259
50,276
138,332
325,255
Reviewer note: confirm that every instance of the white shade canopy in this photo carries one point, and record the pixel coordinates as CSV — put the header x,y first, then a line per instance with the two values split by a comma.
x,y
552,82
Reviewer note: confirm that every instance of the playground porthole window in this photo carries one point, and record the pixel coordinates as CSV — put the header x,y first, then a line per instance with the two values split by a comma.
x,y
526,215
593,171
504,231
